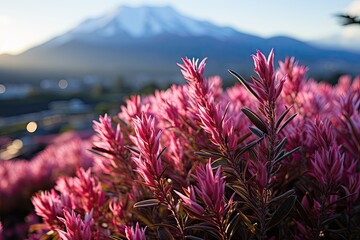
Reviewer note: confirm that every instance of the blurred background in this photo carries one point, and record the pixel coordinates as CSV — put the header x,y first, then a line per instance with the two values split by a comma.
x,y
62,63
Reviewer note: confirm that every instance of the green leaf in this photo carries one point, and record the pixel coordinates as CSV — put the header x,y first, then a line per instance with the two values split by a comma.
x,y
282,196
193,237
256,132
282,211
248,223
209,154
248,146
147,203
162,151
283,115
280,146
164,234
200,227
132,149
255,119
287,121
233,225
219,162
281,157
244,83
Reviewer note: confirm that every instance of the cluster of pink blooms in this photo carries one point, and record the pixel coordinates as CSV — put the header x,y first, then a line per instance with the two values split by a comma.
x,y
20,179
273,157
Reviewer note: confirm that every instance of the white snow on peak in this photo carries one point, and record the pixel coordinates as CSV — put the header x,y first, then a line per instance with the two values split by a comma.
x,y
150,21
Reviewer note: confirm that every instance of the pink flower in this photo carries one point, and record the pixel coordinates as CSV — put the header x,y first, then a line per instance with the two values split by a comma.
x,y
209,188
267,86
295,79
147,141
76,228
49,206
322,133
134,107
88,190
1,231
352,186
327,167
191,70
109,139
136,233
189,202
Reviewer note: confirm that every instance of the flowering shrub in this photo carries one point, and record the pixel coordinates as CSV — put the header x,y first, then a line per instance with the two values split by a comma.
x,y
20,179
274,157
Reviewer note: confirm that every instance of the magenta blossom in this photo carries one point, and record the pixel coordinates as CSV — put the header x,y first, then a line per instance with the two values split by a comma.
x,y
76,228
136,233
267,86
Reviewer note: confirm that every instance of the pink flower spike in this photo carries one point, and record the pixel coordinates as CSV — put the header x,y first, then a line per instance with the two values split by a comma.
x,y
191,70
147,141
135,234
211,187
76,228
49,206
327,167
268,87
189,201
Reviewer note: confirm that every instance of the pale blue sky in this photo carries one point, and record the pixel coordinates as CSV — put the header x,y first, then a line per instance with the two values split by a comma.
x,y
25,23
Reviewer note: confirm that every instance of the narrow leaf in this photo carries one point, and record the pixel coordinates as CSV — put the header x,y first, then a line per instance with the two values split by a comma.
x,y
248,146
248,223
280,146
219,162
287,121
200,227
244,83
283,115
278,159
193,237
256,132
255,119
282,211
282,196
162,151
209,154
164,234
147,203
132,149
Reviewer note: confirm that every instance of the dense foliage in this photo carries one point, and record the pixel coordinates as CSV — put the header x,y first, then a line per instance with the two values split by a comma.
x,y
274,157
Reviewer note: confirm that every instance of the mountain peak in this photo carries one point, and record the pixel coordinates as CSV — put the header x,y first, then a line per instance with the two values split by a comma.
x,y
150,21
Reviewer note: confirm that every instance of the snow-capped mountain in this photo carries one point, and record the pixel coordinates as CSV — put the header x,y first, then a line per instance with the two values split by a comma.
x,y
151,21
140,22
147,42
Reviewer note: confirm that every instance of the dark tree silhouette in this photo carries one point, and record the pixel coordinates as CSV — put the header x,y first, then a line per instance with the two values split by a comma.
x,y
349,19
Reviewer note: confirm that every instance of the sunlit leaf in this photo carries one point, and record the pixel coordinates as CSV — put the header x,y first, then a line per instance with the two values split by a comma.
x,y
247,222
244,83
147,203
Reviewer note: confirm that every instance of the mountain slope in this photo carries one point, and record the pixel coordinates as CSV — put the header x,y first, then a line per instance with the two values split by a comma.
x,y
146,43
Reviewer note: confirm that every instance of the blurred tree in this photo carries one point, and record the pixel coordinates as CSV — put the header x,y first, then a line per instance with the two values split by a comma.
x,y
349,19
